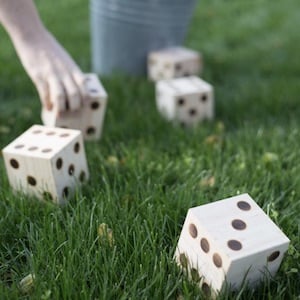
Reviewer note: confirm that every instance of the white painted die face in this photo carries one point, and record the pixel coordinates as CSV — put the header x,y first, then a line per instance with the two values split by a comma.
x,y
194,108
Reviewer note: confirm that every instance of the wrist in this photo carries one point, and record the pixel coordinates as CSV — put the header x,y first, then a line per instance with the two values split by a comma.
x,y
31,34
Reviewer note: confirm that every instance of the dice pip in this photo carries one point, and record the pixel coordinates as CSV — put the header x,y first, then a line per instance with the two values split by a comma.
x,y
89,119
229,242
46,162
186,101
173,62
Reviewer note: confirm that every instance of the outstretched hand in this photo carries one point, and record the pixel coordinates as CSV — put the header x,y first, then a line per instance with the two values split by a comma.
x,y
58,79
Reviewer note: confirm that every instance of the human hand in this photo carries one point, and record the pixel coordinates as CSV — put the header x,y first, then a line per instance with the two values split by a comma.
x,y
57,78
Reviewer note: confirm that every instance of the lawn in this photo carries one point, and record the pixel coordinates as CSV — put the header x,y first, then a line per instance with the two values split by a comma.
x,y
146,174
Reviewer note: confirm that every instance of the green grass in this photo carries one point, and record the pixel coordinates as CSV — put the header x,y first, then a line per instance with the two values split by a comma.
x,y
251,52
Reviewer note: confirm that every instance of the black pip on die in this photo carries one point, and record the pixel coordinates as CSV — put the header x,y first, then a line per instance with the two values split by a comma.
x,y
229,242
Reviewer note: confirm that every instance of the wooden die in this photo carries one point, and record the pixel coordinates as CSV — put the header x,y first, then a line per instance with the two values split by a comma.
x,y
186,101
46,162
173,62
230,242
89,118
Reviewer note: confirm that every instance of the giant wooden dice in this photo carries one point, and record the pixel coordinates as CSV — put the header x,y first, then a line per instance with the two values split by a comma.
x,y
90,118
173,62
229,242
186,101
48,163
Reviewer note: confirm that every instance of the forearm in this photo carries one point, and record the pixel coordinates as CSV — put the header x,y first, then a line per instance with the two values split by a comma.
x,y
56,76
20,19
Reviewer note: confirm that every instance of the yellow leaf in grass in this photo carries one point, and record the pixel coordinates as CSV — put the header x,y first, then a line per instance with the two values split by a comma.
x,y
112,160
208,181
213,139
27,283
4,129
106,234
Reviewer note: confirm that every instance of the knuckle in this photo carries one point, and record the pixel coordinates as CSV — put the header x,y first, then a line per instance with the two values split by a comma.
x,y
74,103
59,95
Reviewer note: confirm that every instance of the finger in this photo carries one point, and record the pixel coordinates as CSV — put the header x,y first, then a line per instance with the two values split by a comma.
x,y
57,94
73,81
90,87
78,77
43,91
73,93
81,80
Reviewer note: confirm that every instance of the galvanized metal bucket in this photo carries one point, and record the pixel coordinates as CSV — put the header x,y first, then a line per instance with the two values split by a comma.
x,y
123,32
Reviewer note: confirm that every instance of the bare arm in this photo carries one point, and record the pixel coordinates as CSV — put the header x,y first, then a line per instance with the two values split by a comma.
x,y
56,76
20,19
